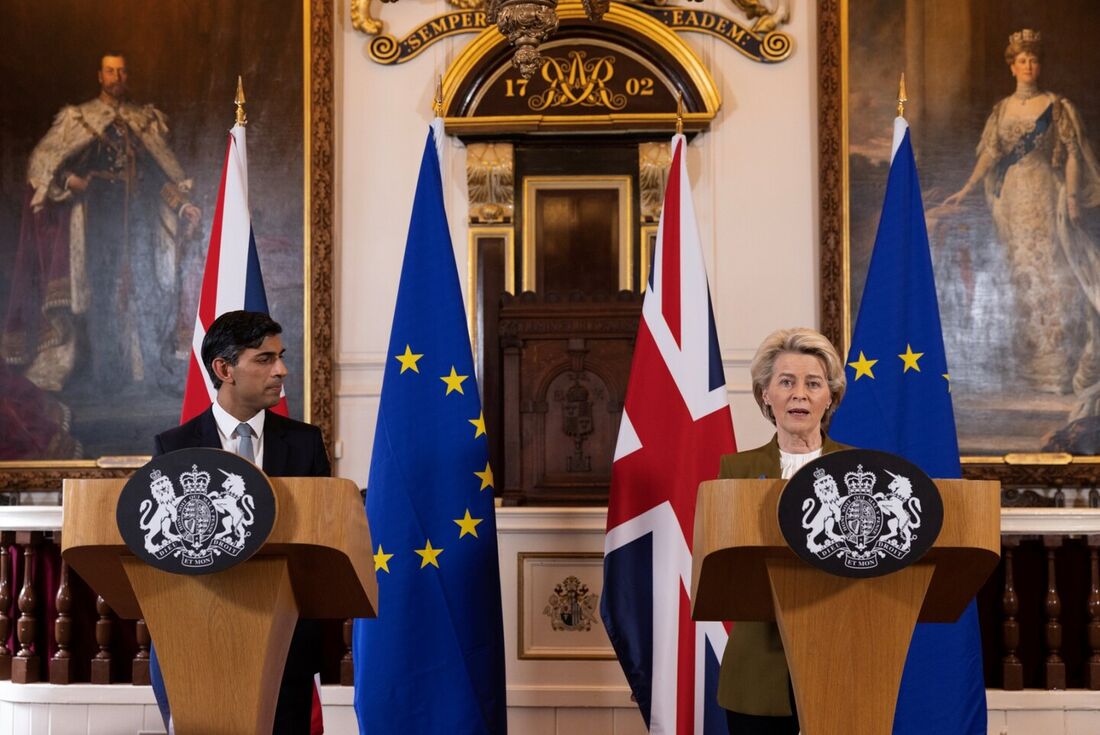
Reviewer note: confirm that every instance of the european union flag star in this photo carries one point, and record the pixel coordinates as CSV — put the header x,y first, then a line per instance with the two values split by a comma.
x,y
408,360
486,477
382,560
428,555
479,424
910,359
468,524
453,381
863,367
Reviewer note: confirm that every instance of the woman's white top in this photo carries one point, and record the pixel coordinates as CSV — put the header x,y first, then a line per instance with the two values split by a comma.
x,y
792,463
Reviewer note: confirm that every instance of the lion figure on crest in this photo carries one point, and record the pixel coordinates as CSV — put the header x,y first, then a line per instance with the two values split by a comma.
x,y
901,509
237,506
164,517
827,516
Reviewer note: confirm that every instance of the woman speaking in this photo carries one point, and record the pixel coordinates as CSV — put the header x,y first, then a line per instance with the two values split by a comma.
x,y
798,381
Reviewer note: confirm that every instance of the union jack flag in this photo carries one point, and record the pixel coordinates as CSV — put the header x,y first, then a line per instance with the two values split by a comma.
x,y
676,424
231,279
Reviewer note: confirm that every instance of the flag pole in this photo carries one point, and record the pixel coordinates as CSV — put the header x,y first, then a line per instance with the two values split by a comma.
x,y
242,119
437,102
679,113
902,98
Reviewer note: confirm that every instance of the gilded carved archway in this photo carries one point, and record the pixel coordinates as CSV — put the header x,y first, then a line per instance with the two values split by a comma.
x,y
621,74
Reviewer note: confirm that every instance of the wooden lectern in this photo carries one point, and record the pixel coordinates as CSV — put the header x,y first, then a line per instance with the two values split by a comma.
x,y
846,639
222,638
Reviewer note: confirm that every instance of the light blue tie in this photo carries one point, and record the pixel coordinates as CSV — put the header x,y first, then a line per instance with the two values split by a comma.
x,y
244,443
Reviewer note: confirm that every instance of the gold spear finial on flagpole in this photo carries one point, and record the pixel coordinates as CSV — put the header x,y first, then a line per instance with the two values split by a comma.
x,y
437,102
242,119
679,113
902,99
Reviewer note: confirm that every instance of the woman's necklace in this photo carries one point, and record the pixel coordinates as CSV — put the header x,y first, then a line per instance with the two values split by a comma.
x,y
1024,93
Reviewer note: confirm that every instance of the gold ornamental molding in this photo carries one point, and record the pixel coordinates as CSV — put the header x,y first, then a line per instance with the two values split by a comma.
x,y
621,74
761,43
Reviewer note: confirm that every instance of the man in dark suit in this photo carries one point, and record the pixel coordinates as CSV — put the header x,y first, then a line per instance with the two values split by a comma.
x,y
243,355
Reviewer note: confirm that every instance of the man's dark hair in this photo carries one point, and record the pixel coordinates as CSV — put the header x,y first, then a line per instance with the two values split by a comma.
x,y
232,333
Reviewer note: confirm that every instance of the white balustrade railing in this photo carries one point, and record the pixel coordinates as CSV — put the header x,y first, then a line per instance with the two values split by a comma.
x,y
30,517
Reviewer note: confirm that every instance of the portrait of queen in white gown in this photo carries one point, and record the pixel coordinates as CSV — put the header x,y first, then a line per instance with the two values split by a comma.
x,y
1039,175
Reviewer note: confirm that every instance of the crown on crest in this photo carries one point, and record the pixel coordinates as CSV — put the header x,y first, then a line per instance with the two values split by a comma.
x,y
160,481
1025,36
859,481
195,481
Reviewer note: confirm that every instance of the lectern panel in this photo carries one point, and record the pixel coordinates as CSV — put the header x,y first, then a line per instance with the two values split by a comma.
x,y
737,530
840,634
321,529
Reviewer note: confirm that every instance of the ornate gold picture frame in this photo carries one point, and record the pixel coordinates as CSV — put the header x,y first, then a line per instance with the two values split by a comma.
x,y
1012,426
284,52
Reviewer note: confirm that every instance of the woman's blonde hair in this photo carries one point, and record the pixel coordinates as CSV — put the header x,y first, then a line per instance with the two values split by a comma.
x,y
1024,41
804,341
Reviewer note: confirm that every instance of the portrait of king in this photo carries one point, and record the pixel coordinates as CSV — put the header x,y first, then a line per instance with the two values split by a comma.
x,y
108,207
95,292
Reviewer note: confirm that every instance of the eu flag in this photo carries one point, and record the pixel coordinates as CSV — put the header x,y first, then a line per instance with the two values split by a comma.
x,y
899,401
433,660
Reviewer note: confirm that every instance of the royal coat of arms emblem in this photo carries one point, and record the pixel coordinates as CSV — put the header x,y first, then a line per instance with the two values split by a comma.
x,y
205,522
872,523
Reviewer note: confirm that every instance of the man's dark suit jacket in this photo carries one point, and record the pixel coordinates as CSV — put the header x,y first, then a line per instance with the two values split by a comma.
x,y
291,449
